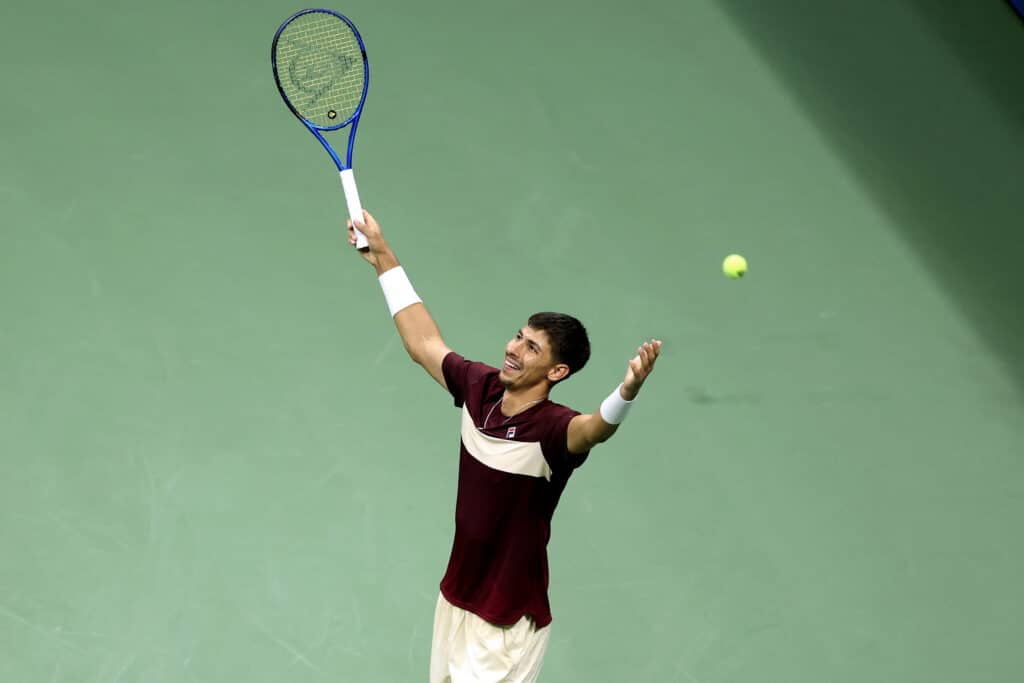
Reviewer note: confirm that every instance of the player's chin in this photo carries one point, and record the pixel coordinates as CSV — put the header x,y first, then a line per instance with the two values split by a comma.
x,y
511,378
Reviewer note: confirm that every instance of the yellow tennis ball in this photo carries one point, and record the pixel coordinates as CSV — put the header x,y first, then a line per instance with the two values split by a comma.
x,y
734,266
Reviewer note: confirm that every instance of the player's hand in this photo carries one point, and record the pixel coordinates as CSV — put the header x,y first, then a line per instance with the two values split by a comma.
x,y
640,367
376,246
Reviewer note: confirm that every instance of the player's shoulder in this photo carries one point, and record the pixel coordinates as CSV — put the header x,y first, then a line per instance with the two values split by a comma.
x,y
552,410
456,358
552,426
472,370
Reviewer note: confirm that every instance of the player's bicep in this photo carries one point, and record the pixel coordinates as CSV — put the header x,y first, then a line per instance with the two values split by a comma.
x,y
432,356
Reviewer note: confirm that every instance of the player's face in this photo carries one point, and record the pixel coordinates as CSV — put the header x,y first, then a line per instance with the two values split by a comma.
x,y
528,359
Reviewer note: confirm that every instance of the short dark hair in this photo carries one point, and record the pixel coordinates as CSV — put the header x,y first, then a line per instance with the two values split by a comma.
x,y
569,341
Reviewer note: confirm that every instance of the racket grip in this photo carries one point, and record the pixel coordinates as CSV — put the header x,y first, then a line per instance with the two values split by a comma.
x,y
355,208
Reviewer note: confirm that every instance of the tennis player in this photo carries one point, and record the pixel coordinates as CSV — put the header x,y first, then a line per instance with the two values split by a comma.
x,y
518,450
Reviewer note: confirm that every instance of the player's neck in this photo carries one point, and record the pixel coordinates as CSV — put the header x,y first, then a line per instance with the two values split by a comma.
x,y
514,401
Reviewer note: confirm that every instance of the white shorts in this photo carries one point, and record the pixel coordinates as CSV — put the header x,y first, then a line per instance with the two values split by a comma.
x,y
467,649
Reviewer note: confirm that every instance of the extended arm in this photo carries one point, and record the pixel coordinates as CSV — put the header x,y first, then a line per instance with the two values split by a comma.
x,y
420,334
587,431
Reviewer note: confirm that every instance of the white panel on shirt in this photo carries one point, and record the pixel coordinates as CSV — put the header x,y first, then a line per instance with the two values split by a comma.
x,y
514,457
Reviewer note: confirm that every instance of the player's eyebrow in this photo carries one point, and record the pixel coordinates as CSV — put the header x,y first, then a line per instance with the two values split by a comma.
x,y
536,345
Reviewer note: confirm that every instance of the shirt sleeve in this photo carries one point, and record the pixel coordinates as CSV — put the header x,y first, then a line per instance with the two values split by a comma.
x,y
454,367
555,443
460,374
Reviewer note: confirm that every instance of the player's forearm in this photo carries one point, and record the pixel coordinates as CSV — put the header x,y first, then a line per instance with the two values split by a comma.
x,y
415,325
611,413
586,431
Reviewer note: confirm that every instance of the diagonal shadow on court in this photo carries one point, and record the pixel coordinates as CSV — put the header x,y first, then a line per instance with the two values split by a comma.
x,y
925,101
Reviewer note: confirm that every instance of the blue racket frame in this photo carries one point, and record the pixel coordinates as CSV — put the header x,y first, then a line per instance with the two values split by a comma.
x,y
1018,7
313,128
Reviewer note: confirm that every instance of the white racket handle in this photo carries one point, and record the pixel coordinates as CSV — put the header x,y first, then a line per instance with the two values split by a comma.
x,y
355,209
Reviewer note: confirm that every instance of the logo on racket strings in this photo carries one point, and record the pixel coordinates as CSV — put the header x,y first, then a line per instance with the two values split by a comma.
x,y
315,73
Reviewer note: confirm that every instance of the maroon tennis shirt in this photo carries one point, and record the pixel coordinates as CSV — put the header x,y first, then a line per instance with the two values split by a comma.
x,y
512,472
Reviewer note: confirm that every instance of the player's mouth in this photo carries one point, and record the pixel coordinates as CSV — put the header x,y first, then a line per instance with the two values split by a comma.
x,y
511,366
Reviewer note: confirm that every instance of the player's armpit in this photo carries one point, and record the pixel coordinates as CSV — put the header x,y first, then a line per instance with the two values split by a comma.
x,y
586,431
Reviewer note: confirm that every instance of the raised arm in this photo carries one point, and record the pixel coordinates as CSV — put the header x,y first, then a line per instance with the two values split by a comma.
x,y
420,334
588,430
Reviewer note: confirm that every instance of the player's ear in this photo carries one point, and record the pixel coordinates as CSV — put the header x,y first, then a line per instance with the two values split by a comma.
x,y
558,371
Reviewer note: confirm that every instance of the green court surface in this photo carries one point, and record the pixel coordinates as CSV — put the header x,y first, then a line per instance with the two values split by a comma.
x,y
218,464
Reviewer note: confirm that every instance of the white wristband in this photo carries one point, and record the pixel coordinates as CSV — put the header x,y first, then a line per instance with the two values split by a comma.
x,y
398,291
615,408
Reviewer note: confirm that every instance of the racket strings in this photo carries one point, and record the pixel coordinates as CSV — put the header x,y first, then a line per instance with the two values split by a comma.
x,y
320,67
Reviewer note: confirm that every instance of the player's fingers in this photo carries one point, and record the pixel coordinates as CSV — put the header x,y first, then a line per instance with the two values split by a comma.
x,y
368,223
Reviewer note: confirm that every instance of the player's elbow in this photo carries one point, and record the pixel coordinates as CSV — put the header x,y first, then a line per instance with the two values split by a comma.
x,y
414,350
602,432
587,431
427,351
419,356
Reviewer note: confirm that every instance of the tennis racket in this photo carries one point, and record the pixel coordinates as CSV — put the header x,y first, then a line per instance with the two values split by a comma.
x,y
1018,6
322,74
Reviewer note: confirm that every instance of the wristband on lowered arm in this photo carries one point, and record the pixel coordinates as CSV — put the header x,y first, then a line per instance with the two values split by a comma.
x,y
398,291
615,408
